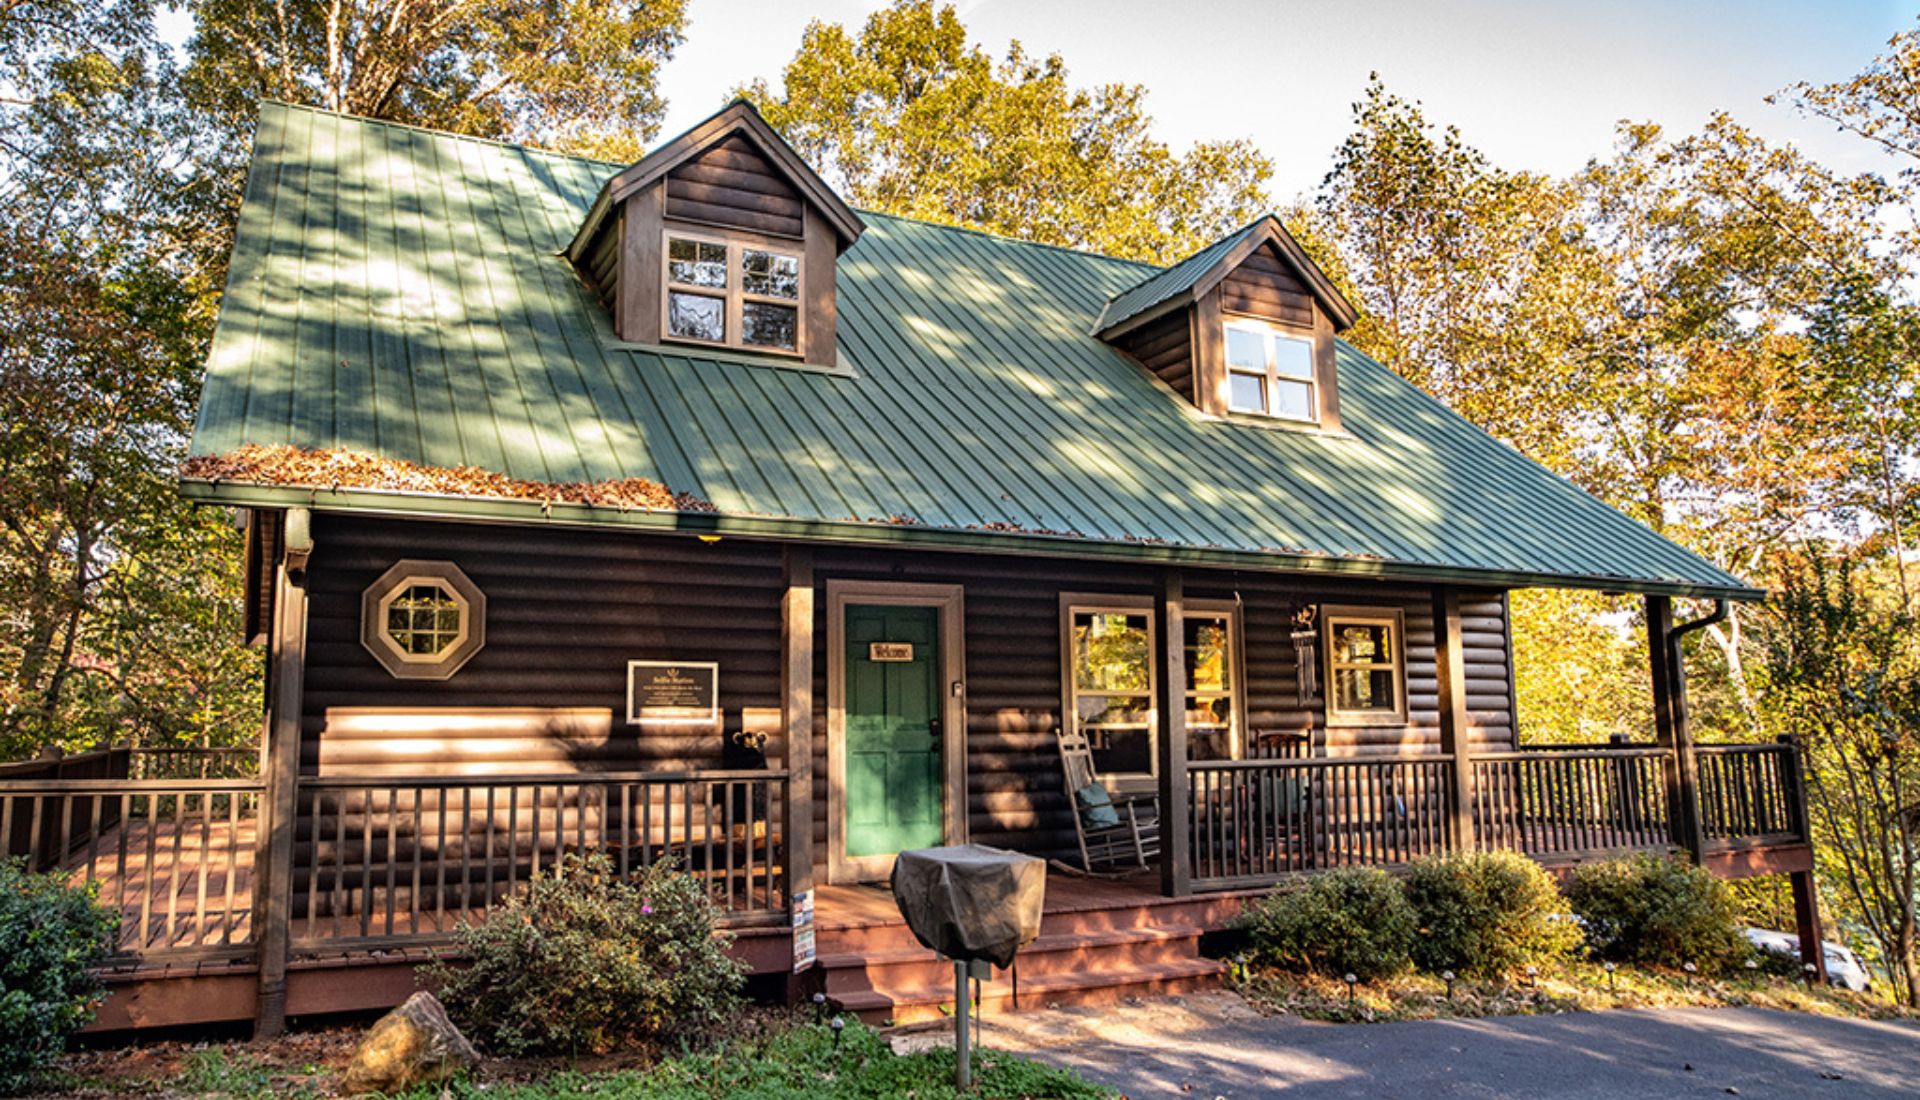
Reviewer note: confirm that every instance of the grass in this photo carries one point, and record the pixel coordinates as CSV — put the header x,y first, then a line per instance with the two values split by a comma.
x,y
803,1061
773,1058
1578,987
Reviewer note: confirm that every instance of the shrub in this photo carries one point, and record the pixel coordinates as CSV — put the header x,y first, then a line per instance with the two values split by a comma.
x,y
1350,921
52,935
1650,909
581,961
1484,914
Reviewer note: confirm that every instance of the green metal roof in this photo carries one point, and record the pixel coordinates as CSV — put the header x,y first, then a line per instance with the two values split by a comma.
x,y
1168,282
399,292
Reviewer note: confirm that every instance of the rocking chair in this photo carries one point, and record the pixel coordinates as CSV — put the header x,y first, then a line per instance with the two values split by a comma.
x,y
1117,832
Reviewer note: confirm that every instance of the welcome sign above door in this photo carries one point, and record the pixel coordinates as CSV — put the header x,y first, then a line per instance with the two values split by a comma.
x,y
679,692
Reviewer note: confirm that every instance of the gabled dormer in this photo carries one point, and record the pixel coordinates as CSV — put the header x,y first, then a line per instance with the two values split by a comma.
x,y
1243,328
721,238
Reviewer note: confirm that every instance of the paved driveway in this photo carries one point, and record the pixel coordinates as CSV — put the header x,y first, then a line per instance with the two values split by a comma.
x,y
1213,1046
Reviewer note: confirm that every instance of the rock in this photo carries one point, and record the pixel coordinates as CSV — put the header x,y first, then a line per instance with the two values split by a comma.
x,y
410,1045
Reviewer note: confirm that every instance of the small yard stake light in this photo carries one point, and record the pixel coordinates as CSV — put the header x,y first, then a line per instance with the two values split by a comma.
x,y
1447,977
819,1005
838,1025
1810,971
1610,968
1352,981
1533,977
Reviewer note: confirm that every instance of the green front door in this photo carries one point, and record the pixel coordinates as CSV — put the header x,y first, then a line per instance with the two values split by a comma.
x,y
893,729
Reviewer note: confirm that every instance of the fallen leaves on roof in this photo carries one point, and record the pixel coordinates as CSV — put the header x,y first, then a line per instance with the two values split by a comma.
x,y
340,469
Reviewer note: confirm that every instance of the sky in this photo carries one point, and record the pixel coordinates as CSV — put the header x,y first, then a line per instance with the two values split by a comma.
x,y
1535,85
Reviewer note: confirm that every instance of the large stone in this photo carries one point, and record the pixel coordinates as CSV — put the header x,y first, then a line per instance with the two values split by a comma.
x,y
410,1045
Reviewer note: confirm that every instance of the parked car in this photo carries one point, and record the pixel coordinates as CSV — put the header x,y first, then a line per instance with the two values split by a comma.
x,y
1844,968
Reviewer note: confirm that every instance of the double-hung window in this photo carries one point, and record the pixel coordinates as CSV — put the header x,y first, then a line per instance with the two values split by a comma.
x,y
1270,372
1366,682
1111,688
732,292
1213,681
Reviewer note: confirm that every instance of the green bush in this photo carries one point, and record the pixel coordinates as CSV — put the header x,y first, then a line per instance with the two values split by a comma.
x,y
581,962
1485,914
52,935
1666,912
1350,921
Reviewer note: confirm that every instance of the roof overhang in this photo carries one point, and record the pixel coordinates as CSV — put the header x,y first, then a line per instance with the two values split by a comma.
x,y
739,117
431,506
1267,231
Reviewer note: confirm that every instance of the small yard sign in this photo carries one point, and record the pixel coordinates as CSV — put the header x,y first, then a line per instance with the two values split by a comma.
x,y
890,651
659,692
803,953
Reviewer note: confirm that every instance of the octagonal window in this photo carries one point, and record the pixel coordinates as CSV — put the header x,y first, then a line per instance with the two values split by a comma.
x,y
423,619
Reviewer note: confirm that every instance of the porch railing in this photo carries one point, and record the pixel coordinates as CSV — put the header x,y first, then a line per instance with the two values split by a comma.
x,y
1256,821
1748,792
1572,802
173,857
407,859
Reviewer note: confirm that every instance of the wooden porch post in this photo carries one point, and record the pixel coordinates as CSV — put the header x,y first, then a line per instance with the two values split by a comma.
x,y
1671,728
1456,737
1176,856
1806,890
273,874
796,719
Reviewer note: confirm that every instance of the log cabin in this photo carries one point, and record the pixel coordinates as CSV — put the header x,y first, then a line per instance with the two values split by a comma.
x,y
680,510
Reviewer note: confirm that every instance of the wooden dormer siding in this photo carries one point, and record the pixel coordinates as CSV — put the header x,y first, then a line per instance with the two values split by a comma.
x,y
732,184
1165,347
1263,286
730,180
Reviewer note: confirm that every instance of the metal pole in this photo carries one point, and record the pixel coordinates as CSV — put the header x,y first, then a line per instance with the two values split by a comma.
x,y
963,1042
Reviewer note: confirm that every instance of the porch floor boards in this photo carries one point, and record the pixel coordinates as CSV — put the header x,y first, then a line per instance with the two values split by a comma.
x,y
1100,940
177,885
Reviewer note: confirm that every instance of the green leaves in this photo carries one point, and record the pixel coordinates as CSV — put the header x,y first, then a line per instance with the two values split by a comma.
x,y
907,118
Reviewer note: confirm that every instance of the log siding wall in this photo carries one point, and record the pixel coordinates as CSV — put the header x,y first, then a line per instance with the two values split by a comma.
x,y
732,184
568,608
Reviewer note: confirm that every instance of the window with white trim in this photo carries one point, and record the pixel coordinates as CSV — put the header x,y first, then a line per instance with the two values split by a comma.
x,y
1270,372
732,292
1366,666
1111,685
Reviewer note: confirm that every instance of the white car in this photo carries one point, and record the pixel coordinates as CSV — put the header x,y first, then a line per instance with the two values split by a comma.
x,y
1844,968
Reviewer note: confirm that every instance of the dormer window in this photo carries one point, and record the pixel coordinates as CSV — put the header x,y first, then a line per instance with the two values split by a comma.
x,y
1270,371
734,292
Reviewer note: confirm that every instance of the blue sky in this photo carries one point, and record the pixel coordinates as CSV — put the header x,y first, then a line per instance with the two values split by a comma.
x,y
1534,85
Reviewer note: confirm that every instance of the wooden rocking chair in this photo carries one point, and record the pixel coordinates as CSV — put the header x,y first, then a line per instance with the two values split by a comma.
x,y
1117,832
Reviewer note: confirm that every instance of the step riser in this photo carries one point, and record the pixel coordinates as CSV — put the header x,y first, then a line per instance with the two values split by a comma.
x,y
895,936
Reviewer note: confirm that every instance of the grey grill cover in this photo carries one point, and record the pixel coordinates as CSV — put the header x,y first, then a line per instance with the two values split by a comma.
x,y
970,901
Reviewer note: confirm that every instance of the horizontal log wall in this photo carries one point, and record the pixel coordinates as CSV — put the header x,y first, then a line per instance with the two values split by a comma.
x,y
1264,286
1165,347
732,184
568,608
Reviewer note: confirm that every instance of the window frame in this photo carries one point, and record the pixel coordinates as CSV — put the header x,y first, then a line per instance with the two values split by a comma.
x,y
1073,603
1229,610
1395,620
402,576
734,295
1270,376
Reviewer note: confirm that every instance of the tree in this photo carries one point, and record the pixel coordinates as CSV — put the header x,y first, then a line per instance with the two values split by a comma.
x,y
907,118
580,75
1844,683
112,589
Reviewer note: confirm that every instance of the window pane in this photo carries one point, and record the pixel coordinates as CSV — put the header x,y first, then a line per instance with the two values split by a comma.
x,y
1293,357
1110,652
1116,751
696,263
1363,689
1208,669
1362,643
770,273
1246,348
696,316
1114,710
1204,743
769,326
1293,400
1247,393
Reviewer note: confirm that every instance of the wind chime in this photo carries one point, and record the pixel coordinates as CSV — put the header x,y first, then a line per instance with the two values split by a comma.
x,y
1305,636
